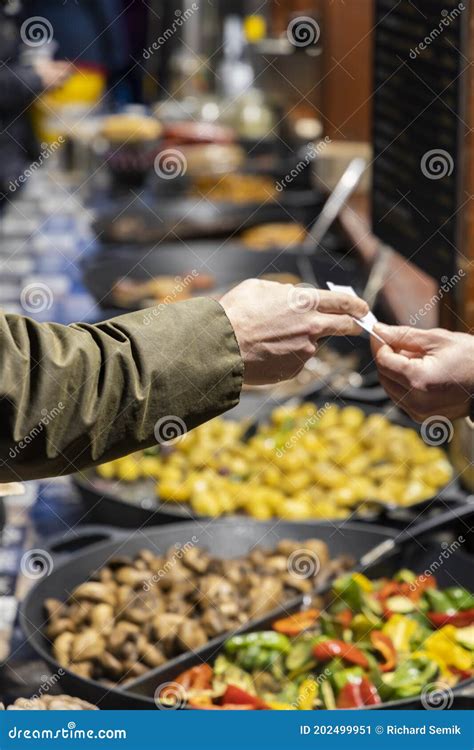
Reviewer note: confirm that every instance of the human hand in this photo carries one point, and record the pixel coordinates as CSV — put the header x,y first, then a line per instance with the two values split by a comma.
x,y
52,72
277,325
426,372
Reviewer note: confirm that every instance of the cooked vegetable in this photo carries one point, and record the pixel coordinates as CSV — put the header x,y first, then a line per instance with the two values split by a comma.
x,y
358,692
377,655
330,649
383,644
296,624
306,463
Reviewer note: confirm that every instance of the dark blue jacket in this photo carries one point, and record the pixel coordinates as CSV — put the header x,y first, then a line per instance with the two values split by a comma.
x,y
19,86
88,31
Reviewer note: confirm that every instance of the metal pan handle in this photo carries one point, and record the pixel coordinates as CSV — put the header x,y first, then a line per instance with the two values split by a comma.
x,y
86,536
416,530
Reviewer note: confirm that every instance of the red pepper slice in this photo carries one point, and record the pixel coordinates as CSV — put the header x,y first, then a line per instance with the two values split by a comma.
x,y
350,696
296,624
458,619
369,693
344,618
327,650
357,694
235,695
197,678
203,706
384,645
463,674
412,590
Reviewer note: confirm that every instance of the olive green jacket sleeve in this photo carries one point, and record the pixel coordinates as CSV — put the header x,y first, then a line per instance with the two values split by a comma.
x,y
74,396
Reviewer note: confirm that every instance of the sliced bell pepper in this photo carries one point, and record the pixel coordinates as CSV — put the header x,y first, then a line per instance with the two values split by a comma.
x,y
196,678
235,695
330,649
413,590
384,645
400,629
438,601
369,693
442,643
297,623
358,693
344,618
278,706
264,639
307,694
458,619
201,705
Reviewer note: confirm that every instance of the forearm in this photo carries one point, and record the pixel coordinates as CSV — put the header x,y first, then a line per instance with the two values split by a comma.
x,y
75,396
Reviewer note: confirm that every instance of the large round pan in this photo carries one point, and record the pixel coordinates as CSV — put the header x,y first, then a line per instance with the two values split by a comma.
x,y
228,263
377,551
155,219
136,504
230,267
224,538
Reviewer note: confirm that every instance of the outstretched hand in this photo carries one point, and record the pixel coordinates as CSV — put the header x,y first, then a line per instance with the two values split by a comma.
x,y
426,372
277,326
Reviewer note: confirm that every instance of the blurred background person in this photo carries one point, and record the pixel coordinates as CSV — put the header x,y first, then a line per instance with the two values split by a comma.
x,y
20,85
102,35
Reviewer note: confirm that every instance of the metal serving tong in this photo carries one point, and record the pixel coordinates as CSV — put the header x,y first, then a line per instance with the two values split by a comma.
x,y
330,211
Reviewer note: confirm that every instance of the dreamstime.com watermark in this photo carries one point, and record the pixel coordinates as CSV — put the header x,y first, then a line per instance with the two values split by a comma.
x,y
307,691
446,286
302,431
36,31
46,419
47,150
36,564
447,551
71,732
303,31
437,164
36,297
47,683
447,18
181,285
181,551
181,16
303,563
314,150
437,430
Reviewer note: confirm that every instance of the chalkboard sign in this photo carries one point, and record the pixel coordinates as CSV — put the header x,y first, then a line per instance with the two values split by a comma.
x,y
418,129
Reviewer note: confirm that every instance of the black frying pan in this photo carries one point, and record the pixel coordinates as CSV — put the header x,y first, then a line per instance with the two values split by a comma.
x,y
224,538
186,217
228,263
405,551
375,548
136,504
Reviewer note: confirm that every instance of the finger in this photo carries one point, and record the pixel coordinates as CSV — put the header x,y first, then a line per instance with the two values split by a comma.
x,y
394,366
338,302
403,337
335,325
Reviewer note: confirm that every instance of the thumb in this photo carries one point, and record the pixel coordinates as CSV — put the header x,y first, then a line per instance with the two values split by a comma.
x,y
402,337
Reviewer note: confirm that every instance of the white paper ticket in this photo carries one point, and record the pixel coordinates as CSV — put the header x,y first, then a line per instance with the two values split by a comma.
x,y
368,321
